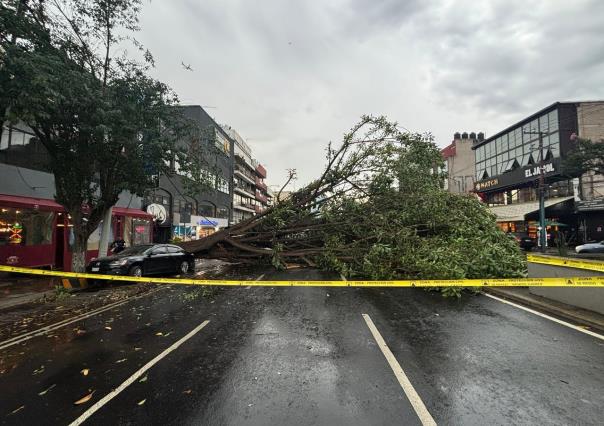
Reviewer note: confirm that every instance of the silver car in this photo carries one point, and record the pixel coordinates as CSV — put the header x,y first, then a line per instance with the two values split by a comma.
x,y
591,248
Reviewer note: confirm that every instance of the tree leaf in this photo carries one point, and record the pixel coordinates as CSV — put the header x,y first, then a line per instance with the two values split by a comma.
x,y
84,399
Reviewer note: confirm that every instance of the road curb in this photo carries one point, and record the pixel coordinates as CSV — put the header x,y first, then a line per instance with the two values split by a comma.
x,y
555,308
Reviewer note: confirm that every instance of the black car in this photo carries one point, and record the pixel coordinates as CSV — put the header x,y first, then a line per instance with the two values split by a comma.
x,y
151,259
524,241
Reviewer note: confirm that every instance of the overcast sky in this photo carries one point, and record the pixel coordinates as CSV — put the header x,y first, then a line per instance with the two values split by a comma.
x,y
290,76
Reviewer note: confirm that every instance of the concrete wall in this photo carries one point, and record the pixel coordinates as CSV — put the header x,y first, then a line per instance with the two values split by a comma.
x,y
461,167
586,298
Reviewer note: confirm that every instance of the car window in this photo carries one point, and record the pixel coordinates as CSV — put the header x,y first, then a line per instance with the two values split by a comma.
x,y
174,249
160,250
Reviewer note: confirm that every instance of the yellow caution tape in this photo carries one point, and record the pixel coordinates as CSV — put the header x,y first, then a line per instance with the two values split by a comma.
x,y
590,265
487,282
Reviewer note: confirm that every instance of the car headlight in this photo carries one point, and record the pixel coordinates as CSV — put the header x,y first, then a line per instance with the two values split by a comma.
x,y
118,262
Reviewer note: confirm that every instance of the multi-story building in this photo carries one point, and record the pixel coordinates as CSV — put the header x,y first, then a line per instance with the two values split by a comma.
x,y
180,214
250,193
509,163
459,162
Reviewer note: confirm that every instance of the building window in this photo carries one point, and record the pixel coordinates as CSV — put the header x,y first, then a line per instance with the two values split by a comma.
x,y
206,209
222,184
222,212
26,227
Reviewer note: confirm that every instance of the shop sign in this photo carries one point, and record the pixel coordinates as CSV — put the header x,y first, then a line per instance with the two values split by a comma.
x,y
207,222
486,184
585,206
158,212
536,171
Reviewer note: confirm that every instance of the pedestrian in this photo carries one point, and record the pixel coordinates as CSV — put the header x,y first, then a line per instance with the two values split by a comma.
x,y
117,246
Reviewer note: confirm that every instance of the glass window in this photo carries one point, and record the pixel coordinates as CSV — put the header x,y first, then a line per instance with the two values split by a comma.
x,y
222,212
206,209
174,249
555,149
160,250
553,120
222,185
25,227
141,231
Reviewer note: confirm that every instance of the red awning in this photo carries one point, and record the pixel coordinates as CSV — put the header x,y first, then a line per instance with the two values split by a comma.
x,y
123,211
29,202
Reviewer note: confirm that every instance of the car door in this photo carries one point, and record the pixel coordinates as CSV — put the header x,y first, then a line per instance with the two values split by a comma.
x,y
159,261
177,256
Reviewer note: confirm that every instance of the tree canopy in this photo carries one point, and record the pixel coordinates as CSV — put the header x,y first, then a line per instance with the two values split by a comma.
x,y
378,211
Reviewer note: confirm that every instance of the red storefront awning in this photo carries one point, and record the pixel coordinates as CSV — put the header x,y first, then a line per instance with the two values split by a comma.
x,y
123,211
30,202
51,205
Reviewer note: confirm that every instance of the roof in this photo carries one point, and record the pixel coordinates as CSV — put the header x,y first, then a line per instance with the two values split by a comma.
x,y
448,151
516,212
37,203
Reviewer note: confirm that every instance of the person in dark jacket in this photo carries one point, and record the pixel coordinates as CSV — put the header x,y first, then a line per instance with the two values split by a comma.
x,y
117,246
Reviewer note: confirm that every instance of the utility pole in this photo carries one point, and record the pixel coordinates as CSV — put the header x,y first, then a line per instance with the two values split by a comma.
x,y
542,236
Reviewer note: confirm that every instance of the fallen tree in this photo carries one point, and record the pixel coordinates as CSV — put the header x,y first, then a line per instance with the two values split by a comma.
x,y
377,211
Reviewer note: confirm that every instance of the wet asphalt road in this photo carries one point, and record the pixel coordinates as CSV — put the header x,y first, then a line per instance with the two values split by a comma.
x,y
305,356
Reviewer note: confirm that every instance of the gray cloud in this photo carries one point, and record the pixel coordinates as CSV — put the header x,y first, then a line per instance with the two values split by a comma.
x,y
292,75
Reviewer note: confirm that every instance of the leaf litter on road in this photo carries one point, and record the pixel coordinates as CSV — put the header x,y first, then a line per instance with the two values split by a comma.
x,y
119,361
85,371
85,398
143,380
17,410
44,392
142,402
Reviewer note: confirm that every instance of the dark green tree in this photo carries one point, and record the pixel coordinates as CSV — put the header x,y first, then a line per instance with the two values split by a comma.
x,y
107,125
586,156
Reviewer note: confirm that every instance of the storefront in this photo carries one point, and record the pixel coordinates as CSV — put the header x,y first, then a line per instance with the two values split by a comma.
x,y
198,227
37,232
591,219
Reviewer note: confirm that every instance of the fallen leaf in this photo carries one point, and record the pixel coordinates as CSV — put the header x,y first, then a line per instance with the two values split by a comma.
x,y
142,402
84,399
137,349
39,370
143,380
18,409
159,333
85,371
80,332
107,328
188,391
45,391
120,360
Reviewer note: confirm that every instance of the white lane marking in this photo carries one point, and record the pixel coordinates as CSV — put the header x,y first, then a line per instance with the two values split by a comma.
x,y
52,327
94,408
532,311
412,395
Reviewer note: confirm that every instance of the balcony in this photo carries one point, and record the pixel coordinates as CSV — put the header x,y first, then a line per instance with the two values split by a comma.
x,y
261,197
261,184
243,191
261,171
258,209
245,207
245,175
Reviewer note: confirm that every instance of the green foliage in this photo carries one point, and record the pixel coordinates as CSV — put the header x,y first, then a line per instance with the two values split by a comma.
x,y
106,124
586,156
405,227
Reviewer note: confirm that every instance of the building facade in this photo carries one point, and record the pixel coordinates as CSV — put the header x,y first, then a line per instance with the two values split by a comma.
x,y
508,166
184,216
35,231
459,162
250,193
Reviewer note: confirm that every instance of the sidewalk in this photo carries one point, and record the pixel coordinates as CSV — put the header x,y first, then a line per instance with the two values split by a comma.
x,y
576,315
18,290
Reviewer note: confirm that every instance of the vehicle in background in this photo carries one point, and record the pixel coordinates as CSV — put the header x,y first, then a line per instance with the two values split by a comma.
x,y
591,248
525,242
144,260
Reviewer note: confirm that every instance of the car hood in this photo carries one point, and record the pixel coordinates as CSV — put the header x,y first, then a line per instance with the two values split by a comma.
x,y
112,258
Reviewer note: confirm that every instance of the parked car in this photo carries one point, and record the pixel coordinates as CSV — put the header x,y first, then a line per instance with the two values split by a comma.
x,y
591,248
524,241
143,260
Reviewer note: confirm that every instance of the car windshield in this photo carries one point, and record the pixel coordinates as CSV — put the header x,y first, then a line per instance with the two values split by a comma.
x,y
130,251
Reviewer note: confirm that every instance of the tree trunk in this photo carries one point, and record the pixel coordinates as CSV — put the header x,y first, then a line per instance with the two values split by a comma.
x,y
80,245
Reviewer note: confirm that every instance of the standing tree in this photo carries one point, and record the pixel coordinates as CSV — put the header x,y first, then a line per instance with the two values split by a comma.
x,y
107,125
587,156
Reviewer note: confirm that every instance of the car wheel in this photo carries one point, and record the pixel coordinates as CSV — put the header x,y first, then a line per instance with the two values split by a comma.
x,y
184,267
136,271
